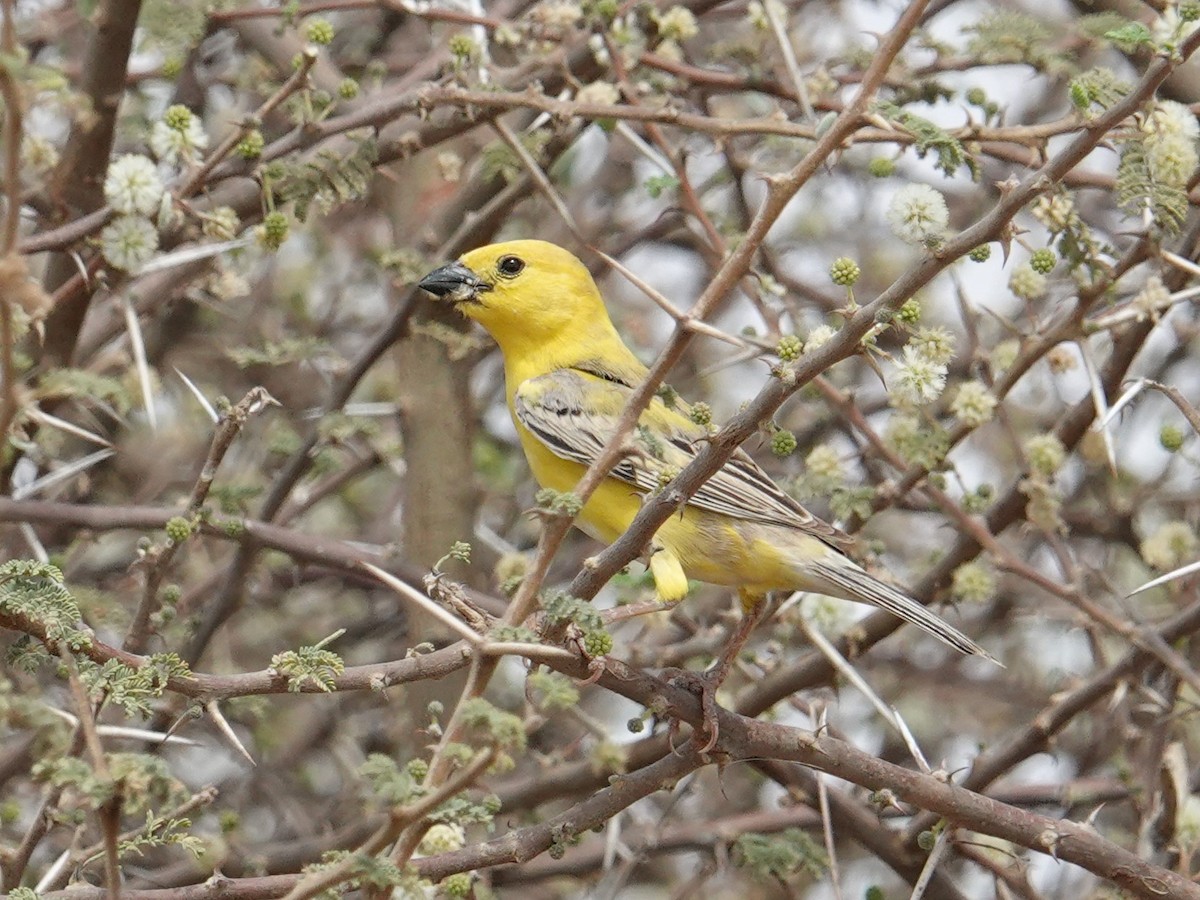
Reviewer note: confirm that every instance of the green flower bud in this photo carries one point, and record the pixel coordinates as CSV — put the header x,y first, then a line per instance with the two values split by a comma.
x,y
251,145
881,167
319,31
1043,261
273,231
457,885
789,348
178,529
701,413
178,117
1171,438
844,271
1046,453
783,442
597,643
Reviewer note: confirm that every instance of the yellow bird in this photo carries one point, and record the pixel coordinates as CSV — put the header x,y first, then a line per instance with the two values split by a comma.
x,y
568,378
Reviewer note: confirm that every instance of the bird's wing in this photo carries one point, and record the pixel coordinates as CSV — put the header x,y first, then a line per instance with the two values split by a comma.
x,y
575,411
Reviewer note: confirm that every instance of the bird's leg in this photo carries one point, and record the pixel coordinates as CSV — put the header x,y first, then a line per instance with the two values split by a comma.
x,y
707,684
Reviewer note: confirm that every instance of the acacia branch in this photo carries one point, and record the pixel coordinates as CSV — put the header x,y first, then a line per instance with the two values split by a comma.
x,y
717,451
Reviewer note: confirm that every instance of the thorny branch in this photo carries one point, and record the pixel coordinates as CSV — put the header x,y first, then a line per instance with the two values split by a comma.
x,y
761,167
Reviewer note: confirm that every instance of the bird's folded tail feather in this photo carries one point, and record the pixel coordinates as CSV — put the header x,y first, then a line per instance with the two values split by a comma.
x,y
852,583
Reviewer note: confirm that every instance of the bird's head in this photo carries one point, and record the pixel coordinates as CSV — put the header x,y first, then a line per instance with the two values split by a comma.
x,y
522,292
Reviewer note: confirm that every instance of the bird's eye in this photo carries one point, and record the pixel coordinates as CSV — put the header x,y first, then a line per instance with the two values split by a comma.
x,y
510,265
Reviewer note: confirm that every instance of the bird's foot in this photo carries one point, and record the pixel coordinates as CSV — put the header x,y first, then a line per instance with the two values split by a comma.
x,y
704,685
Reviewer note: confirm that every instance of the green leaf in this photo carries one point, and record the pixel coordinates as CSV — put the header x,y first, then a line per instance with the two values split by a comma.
x,y
1130,36
772,857
656,184
34,592
929,137
308,666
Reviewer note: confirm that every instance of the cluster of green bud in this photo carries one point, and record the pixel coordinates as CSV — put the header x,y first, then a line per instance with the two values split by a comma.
x,y
1046,453
881,167
982,253
910,311
978,500
1043,261
844,271
973,582
562,502
319,31
273,231
783,442
701,413
178,529
178,117
597,643
457,885
462,48
789,348
1170,437
251,145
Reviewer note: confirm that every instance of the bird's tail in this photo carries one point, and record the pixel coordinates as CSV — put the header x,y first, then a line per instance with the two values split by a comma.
x,y
852,583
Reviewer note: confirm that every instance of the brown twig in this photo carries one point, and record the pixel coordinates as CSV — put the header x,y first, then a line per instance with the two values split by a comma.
x,y
228,429
108,812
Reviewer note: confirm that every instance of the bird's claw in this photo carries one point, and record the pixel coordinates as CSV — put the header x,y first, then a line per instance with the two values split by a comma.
x,y
704,687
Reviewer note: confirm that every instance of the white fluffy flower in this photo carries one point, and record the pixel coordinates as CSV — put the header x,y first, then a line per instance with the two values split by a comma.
x,y
918,214
599,92
128,242
1152,299
443,838
132,186
173,145
1170,117
38,154
918,379
558,14
818,338
974,404
1028,283
1172,544
1055,211
677,24
934,343
1172,158
1169,29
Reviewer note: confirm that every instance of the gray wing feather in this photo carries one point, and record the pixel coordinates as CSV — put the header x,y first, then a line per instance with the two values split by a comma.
x,y
550,408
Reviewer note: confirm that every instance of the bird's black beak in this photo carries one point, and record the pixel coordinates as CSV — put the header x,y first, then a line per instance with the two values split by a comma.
x,y
453,282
